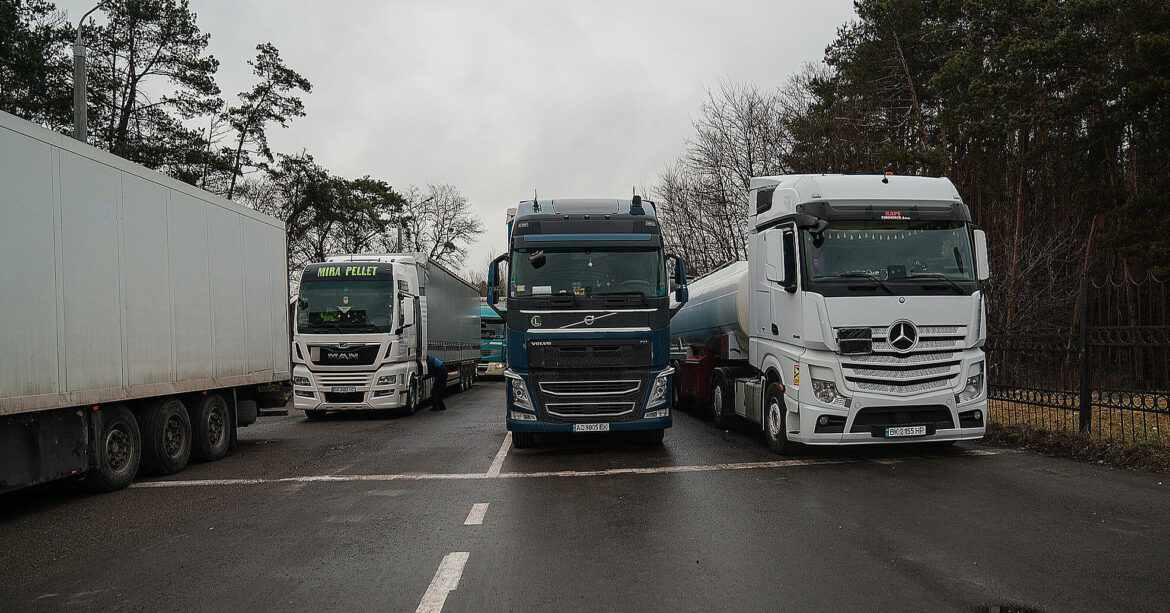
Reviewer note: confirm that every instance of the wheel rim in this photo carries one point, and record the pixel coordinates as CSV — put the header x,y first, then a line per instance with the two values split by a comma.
x,y
173,436
774,419
717,404
216,424
412,397
119,451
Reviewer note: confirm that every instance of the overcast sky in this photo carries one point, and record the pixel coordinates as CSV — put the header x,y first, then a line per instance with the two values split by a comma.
x,y
573,99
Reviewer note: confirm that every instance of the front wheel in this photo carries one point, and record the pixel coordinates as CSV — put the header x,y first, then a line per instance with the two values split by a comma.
x,y
118,451
776,421
720,401
412,397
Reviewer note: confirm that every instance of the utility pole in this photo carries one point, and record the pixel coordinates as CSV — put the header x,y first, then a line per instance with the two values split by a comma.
x,y
80,109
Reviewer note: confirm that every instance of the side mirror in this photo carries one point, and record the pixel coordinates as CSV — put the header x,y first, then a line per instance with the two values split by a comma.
x,y
789,242
982,261
493,282
681,294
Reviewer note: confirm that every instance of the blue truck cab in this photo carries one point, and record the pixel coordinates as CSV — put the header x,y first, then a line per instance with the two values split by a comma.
x,y
587,324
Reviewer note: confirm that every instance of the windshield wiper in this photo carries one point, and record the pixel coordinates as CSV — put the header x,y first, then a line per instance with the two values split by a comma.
x,y
865,275
941,277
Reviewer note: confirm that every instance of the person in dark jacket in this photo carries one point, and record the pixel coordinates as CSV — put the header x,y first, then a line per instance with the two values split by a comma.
x,y
437,373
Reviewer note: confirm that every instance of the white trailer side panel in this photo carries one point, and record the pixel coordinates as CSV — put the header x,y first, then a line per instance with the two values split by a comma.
x,y
122,283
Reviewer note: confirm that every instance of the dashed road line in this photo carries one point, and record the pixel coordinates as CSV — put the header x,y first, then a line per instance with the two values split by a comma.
x,y
498,461
495,474
446,581
475,516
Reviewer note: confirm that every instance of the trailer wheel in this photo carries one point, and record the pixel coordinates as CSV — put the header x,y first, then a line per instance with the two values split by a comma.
x,y
211,422
721,400
166,436
118,451
523,440
776,422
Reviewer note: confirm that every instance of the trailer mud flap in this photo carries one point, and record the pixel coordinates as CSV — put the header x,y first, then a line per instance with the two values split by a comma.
x,y
40,447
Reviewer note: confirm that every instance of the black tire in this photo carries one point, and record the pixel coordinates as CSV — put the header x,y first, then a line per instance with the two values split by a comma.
x,y
314,415
212,427
118,451
523,440
775,421
166,436
412,400
722,412
652,438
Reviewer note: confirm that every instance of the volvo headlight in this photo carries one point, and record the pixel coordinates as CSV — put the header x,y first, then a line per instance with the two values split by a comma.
x,y
826,392
661,389
301,381
520,396
387,379
974,387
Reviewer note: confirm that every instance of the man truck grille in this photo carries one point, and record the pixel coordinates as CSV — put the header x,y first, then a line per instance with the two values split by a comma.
x,y
341,378
931,365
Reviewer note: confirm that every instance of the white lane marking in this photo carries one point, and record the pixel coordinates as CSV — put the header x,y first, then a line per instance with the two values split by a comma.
x,y
475,516
886,461
446,581
498,461
652,470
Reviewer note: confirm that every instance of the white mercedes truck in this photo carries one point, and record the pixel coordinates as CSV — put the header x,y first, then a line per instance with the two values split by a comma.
x,y
365,324
858,317
142,320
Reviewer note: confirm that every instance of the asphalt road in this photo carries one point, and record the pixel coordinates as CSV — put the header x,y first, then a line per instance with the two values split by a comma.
x,y
357,513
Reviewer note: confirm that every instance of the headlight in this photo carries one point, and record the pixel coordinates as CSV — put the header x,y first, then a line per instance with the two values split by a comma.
x,y
520,396
661,389
301,381
387,379
974,387
826,392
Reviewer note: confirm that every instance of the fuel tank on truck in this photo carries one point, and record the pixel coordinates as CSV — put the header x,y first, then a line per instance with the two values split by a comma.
x,y
718,305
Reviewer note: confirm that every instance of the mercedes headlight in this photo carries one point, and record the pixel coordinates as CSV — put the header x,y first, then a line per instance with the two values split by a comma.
x,y
301,381
520,396
974,387
826,392
661,389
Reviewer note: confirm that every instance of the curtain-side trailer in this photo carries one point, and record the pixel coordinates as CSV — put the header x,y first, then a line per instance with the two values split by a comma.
x,y
141,319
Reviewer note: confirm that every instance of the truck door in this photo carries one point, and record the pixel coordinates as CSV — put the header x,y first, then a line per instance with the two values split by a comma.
x,y
781,282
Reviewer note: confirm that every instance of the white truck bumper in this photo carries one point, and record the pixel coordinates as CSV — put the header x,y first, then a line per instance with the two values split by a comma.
x,y
375,394
866,420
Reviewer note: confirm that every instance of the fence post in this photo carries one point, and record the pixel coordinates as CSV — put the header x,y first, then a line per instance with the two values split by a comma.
x,y
1086,403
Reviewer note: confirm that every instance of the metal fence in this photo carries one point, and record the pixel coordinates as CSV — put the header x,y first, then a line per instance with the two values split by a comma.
x,y
1108,377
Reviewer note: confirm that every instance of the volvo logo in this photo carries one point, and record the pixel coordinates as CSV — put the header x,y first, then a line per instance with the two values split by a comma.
x,y
536,321
589,319
903,336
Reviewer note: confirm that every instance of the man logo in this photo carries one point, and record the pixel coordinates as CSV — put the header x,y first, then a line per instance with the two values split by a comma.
x,y
536,321
903,336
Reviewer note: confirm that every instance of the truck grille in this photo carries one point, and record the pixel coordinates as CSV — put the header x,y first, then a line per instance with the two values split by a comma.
x,y
589,353
589,409
342,378
932,364
350,355
590,388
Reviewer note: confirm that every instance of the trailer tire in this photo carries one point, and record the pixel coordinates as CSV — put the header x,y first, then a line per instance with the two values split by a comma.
x,y
523,440
775,421
118,452
721,400
212,425
166,436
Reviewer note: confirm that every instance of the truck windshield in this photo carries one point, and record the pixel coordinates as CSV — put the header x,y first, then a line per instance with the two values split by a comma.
x,y
345,307
872,251
588,273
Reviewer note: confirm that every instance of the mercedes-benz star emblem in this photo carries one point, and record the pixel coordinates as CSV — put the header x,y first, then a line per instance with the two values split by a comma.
x,y
903,336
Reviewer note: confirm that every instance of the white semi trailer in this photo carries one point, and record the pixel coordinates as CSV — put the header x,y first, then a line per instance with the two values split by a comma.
x,y
857,318
365,325
141,320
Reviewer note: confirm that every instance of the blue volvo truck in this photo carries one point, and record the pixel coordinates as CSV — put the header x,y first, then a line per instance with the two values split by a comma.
x,y
589,299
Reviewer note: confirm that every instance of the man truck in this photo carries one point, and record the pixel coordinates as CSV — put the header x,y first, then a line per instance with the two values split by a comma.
x,y
857,318
141,320
365,325
491,348
587,318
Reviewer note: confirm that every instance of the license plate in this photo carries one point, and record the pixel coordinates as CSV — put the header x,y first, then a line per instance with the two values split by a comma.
x,y
590,427
905,431
341,389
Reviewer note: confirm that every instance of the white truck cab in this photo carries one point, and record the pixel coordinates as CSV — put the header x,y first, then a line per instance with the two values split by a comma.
x,y
858,317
